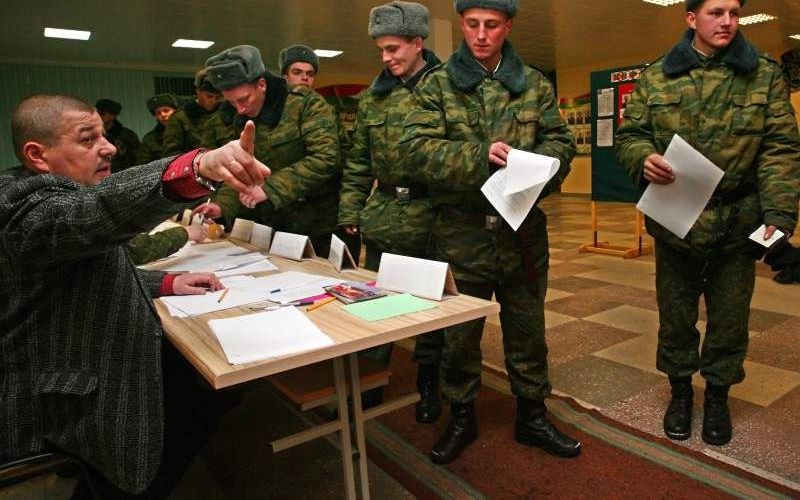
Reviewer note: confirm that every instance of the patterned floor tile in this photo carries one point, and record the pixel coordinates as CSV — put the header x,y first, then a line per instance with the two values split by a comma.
x,y
577,339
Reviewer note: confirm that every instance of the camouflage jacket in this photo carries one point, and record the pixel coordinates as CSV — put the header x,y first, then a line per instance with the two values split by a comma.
x,y
734,108
127,143
296,136
150,147
184,129
146,248
385,222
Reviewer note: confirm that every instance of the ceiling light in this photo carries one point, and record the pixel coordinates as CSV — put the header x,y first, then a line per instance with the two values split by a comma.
x,y
796,37
327,53
755,18
192,44
664,3
69,34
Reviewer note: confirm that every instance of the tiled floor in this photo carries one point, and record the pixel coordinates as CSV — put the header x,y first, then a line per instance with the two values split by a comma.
x,y
602,324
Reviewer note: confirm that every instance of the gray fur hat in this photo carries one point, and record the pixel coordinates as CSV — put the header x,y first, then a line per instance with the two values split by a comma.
x,y
202,82
297,53
235,66
399,19
159,100
693,4
507,6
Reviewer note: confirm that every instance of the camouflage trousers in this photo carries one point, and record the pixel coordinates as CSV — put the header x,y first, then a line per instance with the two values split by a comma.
x,y
522,324
727,284
427,347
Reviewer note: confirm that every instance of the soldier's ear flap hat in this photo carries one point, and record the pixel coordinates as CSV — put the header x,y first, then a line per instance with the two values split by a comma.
x,y
297,53
159,100
235,66
507,6
399,19
202,82
691,5
108,106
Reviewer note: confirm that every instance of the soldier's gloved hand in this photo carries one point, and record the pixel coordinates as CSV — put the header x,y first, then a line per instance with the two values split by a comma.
x,y
210,210
498,153
234,162
195,284
351,229
197,233
657,170
252,196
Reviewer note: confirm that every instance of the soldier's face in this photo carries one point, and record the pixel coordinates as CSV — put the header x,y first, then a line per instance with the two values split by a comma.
x,y
163,113
485,30
247,98
402,56
715,22
207,100
79,151
301,73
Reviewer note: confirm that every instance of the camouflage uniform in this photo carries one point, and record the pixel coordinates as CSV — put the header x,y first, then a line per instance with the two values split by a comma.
x,y
184,129
219,127
296,137
387,221
462,109
733,108
151,145
145,248
127,143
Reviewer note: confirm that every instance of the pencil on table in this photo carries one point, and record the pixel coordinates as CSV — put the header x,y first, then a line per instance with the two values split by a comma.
x,y
223,295
320,303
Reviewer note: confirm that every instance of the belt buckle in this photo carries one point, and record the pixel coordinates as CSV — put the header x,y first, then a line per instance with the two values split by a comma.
x,y
493,222
402,193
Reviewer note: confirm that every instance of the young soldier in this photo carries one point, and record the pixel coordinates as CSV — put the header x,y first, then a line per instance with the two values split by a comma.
x,y
295,136
124,139
471,112
162,107
716,92
397,217
184,130
299,65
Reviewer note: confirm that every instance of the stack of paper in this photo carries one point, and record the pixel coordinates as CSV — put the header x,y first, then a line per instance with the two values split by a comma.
x,y
513,190
223,258
265,335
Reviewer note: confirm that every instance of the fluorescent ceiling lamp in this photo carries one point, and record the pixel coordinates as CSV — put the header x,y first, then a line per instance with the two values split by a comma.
x,y
664,3
192,44
796,37
755,18
69,34
327,53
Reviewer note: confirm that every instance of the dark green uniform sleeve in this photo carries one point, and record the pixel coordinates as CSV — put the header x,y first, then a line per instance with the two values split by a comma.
x,y
633,141
145,248
553,137
357,177
174,135
149,149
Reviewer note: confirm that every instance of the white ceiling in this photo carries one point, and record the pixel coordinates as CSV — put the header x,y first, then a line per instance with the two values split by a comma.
x,y
139,33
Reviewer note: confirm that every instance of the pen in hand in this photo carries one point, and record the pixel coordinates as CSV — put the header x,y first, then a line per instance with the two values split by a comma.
x,y
203,215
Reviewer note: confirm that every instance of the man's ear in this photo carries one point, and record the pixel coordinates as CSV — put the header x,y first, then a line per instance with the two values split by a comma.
x,y
691,19
34,155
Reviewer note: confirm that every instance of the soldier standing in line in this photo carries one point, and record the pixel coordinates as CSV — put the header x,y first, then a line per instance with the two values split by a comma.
x,y
184,130
124,139
397,216
470,113
162,107
295,136
716,92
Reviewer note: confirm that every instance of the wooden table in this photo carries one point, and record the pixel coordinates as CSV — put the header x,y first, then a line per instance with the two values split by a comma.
x,y
195,340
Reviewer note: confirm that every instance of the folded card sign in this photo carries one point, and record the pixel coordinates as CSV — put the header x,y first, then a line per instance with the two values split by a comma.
x,y
429,279
292,246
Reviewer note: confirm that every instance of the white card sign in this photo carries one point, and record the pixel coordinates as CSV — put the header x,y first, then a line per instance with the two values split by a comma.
x,y
292,246
429,279
261,235
340,255
242,229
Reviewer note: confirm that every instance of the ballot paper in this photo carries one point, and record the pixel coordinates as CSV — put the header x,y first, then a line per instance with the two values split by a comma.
x,y
758,236
265,335
258,266
677,205
513,190
211,257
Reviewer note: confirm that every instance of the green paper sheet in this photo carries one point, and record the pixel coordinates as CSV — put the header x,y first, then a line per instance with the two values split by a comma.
x,y
388,307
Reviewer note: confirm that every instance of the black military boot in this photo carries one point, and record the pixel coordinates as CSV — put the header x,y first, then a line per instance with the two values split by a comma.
x,y
533,428
461,431
717,428
429,406
678,418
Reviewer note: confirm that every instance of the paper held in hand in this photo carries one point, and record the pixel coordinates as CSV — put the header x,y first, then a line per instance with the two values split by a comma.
x,y
514,189
677,205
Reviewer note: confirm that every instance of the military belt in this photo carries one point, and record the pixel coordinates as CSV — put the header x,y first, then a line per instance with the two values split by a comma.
x,y
401,193
489,222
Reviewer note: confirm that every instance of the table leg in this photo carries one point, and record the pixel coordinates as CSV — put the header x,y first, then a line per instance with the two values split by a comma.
x,y
344,430
358,421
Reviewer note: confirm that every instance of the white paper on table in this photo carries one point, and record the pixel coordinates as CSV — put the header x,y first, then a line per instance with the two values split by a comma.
x,y
513,190
242,229
677,205
264,335
237,295
211,257
261,236
429,279
758,236
256,267
313,288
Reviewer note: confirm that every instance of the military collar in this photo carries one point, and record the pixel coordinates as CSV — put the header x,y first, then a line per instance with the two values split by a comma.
x,y
194,110
385,82
466,73
272,110
739,55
